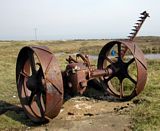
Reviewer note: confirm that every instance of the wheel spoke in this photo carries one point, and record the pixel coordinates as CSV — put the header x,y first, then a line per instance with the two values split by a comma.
x,y
131,61
24,100
109,60
131,79
119,50
30,99
109,78
40,104
24,74
32,61
40,79
121,89
111,63
27,100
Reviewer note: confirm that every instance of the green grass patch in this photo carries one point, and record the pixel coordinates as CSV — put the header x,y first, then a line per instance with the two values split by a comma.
x,y
146,113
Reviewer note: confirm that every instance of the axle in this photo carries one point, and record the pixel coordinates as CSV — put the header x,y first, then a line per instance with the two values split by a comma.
x,y
77,74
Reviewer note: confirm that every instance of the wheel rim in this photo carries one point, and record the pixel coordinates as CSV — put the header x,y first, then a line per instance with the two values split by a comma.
x,y
129,72
39,83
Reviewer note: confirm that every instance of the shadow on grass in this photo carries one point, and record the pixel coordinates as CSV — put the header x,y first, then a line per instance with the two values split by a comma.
x,y
15,113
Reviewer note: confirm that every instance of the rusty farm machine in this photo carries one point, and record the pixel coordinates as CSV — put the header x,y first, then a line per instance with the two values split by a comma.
x,y
41,84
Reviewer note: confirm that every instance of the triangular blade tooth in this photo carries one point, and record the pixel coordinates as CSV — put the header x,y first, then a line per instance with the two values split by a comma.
x,y
143,13
134,30
135,26
140,20
131,33
137,23
130,36
142,17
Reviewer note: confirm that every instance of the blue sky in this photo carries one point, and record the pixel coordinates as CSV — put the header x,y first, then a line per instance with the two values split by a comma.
x,y
75,19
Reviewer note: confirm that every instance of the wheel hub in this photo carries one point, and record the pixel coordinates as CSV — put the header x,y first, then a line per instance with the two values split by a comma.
x,y
122,68
32,83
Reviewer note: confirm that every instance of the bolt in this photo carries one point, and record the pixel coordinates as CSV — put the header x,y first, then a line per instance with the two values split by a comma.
x,y
70,84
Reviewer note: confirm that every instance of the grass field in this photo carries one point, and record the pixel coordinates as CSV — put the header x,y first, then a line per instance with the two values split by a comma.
x,y
145,114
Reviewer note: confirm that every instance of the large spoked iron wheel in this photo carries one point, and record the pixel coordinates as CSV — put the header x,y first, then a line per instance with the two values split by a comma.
x,y
39,83
129,70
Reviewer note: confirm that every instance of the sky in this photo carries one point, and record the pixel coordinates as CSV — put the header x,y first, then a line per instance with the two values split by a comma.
x,y
75,19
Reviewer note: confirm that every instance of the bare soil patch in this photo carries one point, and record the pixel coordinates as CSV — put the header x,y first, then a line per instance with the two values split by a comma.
x,y
88,114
